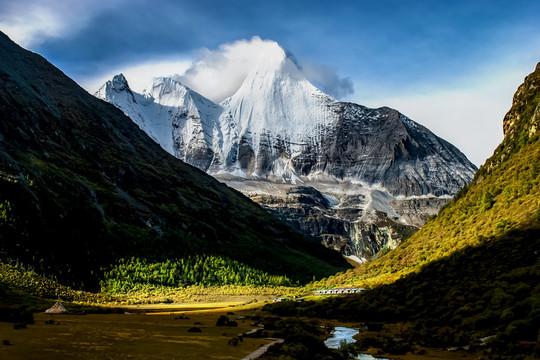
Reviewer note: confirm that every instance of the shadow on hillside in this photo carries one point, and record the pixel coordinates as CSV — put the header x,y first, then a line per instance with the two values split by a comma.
x,y
491,289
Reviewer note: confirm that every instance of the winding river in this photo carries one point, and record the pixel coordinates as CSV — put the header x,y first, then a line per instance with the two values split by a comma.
x,y
344,333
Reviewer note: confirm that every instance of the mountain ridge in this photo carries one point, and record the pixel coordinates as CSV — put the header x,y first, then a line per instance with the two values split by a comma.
x,y
77,170
278,126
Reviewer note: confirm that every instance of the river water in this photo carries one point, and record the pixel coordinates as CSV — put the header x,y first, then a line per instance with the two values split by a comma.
x,y
344,333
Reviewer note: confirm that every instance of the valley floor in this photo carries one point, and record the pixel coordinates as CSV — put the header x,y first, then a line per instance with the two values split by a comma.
x,y
134,334
151,332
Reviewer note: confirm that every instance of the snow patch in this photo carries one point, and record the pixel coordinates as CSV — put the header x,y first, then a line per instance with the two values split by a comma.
x,y
427,196
356,259
295,179
332,201
239,173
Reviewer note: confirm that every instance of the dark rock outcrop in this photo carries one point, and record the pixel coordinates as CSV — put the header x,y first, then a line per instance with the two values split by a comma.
x,y
341,227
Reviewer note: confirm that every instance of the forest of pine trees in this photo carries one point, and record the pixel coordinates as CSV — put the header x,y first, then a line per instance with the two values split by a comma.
x,y
134,274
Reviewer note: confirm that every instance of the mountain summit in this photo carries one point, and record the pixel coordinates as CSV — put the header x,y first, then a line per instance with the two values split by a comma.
x,y
274,115
279,131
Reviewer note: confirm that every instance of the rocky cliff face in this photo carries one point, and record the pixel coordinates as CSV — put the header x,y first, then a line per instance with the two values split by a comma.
x,y
348,218
338,227
523,120
279,129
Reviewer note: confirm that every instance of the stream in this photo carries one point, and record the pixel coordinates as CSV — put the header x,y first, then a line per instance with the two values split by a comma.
x,y
344,333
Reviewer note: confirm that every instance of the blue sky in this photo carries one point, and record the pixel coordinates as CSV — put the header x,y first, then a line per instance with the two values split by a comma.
x,y
453,66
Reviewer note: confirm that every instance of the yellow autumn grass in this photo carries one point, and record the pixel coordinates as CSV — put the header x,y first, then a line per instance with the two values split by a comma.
x,y
131,335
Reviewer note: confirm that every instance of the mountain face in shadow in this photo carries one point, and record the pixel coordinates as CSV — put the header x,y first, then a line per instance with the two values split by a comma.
x,y
82,187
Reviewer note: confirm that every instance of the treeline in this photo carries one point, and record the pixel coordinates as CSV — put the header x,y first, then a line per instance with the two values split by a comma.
x,y
136,274
31,283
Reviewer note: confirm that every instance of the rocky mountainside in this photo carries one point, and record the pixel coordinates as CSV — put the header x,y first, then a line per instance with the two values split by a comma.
x,y
82,188
503,196
469,277
279,129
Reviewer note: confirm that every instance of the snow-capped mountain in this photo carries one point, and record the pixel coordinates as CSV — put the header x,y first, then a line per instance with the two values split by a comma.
x,y
280,129
272,119
183,122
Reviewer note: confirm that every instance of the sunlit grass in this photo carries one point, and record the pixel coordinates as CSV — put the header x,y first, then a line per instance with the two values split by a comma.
x,y
127,336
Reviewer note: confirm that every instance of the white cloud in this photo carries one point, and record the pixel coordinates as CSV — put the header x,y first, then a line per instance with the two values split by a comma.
x,y
31,22
218,74
326,79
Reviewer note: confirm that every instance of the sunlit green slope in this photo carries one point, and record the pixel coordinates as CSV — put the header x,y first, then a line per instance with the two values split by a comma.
x,y
503,196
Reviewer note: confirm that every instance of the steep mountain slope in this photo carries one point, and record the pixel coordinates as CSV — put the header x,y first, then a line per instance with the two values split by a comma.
x,y
180,120
504,194
472,271
383,172
83,188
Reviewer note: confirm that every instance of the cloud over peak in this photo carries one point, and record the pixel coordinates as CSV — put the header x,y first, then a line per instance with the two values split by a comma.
x,y
218,74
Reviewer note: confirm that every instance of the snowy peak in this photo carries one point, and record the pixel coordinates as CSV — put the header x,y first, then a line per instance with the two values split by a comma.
x,y
276,97
274,77
169,92
275,105
179,119
118,84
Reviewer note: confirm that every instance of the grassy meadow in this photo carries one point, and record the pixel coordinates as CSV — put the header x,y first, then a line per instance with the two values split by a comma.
x,y
133,334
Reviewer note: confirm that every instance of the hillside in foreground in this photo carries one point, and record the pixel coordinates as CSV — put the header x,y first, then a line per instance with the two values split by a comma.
x,y
84,191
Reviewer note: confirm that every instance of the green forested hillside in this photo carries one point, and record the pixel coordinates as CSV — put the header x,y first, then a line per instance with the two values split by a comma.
x,y
82,188
136,274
